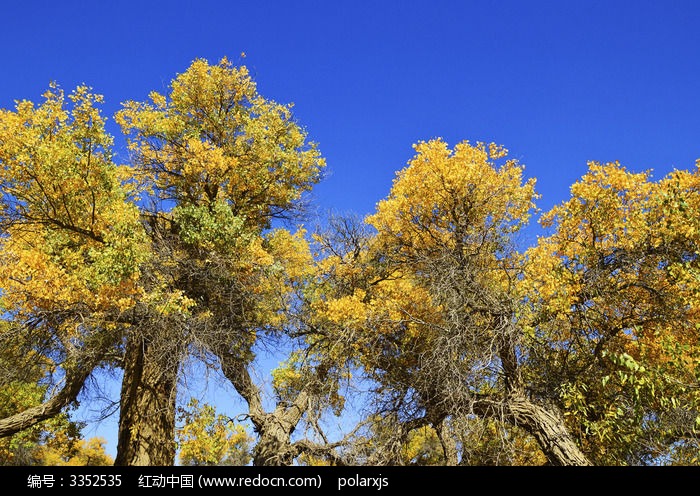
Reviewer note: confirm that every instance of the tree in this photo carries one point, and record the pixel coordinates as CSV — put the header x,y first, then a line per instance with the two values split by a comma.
x,y
70,250
432,309
138,266
218,164
586,343
613,321
580,349
83,453
54,441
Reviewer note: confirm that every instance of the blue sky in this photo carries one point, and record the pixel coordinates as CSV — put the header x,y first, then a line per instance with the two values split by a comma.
x,y
558,83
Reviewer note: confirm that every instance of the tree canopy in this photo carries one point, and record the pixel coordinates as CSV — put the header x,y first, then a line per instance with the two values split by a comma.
x,y
462,344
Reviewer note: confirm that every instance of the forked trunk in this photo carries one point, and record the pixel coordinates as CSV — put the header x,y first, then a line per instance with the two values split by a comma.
x,y
274,446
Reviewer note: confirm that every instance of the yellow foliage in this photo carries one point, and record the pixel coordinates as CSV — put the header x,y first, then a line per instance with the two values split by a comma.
x,y
208,438
457,206
89,452
218,139
70,237
446,196
422,448
615,293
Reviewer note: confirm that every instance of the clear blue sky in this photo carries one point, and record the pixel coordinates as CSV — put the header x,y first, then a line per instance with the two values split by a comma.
x,y
558,83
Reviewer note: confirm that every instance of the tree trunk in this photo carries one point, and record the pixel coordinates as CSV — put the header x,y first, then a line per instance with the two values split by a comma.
x,y
548,429
274,446
147,409
546,426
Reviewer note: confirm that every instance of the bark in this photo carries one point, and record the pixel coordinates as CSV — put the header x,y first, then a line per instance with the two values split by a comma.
x,y
275,446
547,427
147,410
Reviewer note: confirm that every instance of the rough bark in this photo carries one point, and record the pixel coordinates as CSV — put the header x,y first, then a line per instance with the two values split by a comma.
x,y
546,426
275,446
548,429
147,409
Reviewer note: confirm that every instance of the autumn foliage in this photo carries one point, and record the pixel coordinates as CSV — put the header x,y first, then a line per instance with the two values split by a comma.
x,y
462,345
